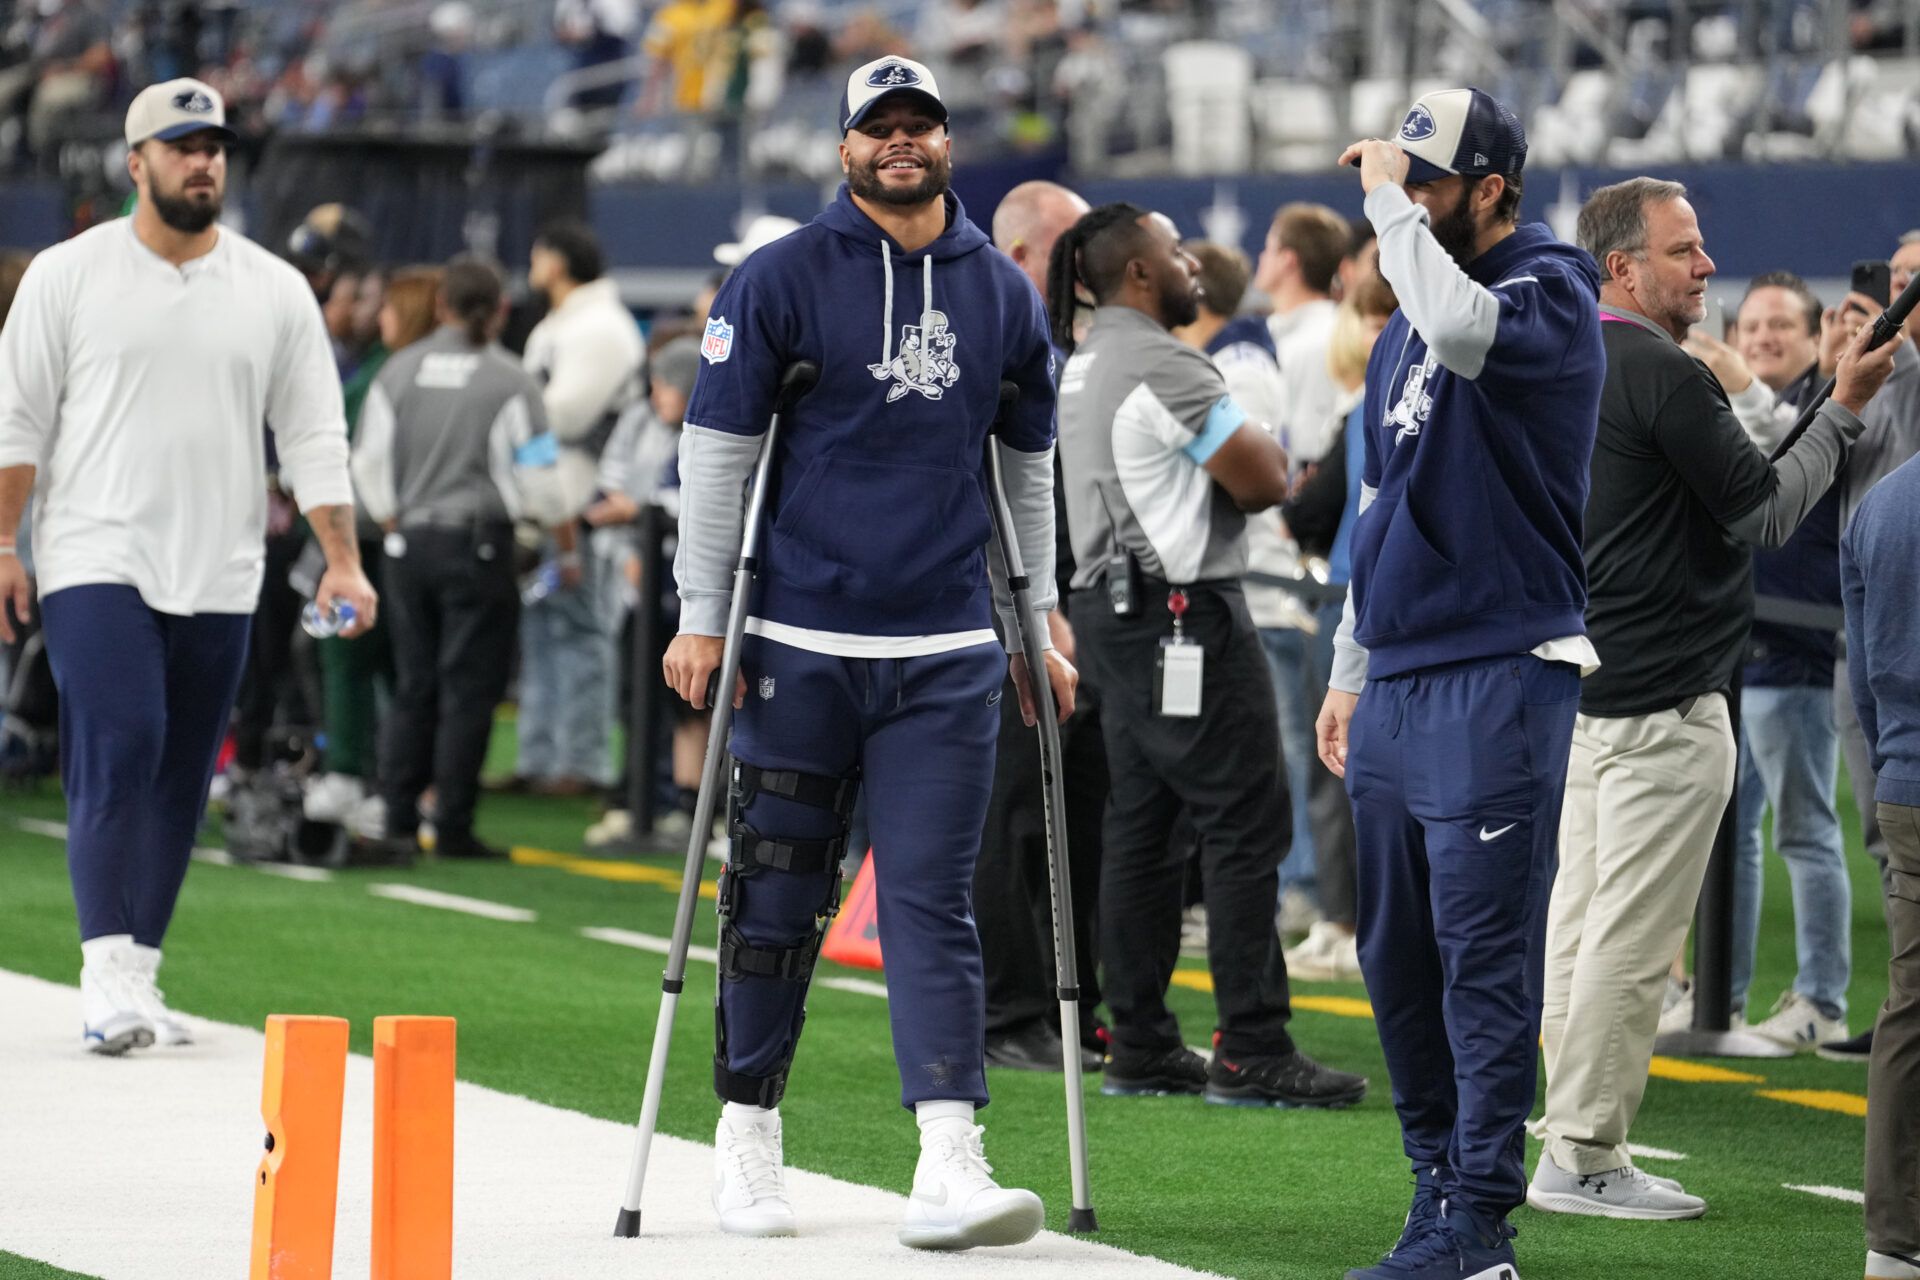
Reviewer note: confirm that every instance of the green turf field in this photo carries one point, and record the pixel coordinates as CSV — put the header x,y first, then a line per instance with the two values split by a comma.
x,y
552,1015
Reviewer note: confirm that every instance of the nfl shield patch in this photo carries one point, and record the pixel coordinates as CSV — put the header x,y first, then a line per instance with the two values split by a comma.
x,y
717,345
766,688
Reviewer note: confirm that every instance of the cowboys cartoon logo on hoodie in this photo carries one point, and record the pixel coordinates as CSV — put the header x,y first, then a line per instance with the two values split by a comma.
x,y
925,363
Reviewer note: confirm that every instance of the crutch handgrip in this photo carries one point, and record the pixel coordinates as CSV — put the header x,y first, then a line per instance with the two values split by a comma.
x,y
799,379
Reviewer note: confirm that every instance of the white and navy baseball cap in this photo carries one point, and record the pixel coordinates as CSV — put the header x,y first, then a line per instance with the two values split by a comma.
x,y
883,78
174,110
1461,131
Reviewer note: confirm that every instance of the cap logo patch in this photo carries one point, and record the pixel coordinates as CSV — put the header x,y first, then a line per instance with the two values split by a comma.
x,y
717,343
193,100
1480,160
1419,125
892,75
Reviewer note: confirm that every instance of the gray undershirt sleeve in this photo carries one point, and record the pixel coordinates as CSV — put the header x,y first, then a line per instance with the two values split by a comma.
x,y
1029,489
1801,478
1349,659
714,468
1458,317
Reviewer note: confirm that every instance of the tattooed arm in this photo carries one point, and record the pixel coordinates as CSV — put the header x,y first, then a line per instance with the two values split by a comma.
x,y
344,578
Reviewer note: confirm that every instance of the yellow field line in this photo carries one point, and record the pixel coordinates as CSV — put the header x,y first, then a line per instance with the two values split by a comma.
x,y
1699,1073
1339,1006
1847,1104
601,869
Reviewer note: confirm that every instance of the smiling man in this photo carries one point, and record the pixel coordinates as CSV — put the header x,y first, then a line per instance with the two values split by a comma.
x,y
137,368
870,653
1679,494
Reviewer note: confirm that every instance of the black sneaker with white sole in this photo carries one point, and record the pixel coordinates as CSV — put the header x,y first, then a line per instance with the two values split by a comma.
x,y
1133,1073
1858,1049
1279,1080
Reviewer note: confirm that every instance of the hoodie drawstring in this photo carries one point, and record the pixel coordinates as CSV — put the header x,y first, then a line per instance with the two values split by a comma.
x,y
926,300
886,312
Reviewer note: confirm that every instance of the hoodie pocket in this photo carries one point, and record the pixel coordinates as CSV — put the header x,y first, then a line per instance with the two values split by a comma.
x,y
880,530
1424,587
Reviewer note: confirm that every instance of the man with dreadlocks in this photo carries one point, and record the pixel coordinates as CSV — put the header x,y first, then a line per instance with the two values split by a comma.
x,y
1166,467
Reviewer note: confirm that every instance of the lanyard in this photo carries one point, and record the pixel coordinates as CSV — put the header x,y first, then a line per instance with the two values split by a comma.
x,y
1177,606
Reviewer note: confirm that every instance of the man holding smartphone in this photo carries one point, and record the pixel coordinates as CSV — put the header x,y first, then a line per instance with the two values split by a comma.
x,y
1166,467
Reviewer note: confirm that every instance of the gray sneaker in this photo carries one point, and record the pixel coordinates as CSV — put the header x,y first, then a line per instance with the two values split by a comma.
x,y
1617,1193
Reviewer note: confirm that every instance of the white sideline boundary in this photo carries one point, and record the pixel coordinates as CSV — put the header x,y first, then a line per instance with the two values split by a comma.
x,y
1843,1194
141,1168
453,902
707,955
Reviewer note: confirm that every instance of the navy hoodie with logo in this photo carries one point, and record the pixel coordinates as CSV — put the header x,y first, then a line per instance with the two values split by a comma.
x,y
877,524
1478,452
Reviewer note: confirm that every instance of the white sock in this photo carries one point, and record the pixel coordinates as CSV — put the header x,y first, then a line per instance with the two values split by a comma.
x,y
931,1114
101,950
739,1113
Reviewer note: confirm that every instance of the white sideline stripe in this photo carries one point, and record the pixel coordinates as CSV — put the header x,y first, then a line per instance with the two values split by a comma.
x,y
647,942
452,902
213,857
858,986
294,871
170,1138
1654,1153
41,827
1831,1193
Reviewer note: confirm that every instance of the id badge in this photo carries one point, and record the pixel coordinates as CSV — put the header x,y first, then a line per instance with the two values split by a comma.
x,y
1177,678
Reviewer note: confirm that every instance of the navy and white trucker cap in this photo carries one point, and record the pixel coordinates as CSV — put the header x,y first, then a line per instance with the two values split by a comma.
x,y
1461,131
882,78
175,109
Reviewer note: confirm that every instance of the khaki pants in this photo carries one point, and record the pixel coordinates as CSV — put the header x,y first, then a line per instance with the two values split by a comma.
x,y
1893,1079
1644,797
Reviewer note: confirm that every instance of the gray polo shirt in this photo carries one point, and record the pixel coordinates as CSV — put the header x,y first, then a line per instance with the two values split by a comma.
x,y
1140,414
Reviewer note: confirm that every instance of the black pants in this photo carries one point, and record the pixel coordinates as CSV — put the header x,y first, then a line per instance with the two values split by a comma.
x,y
268,690
454,607
1224,767
1012,896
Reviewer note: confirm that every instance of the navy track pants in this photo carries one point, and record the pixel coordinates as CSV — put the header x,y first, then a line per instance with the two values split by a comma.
x,y
1456,775
144,702
921,732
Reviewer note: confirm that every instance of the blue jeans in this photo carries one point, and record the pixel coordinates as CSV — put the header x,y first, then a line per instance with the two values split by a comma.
x,y
1287,658
1789,752
567,685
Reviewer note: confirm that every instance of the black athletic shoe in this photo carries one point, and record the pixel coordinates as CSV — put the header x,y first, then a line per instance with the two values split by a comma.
x,y
1270,1080
1133,1073
1858,1049
1033,1047
450,845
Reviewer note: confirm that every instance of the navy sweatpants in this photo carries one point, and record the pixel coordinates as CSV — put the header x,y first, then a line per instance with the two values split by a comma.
x,y
921,733
144,702
1456,776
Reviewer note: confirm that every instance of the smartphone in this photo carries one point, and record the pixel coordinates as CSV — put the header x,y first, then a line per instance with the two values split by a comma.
x,y
1873,279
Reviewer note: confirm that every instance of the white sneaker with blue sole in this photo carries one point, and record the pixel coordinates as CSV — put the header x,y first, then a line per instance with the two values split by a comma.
x,y
112,1019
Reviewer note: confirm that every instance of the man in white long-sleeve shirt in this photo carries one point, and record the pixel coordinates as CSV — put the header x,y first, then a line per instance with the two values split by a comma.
x,y
137,367
587,356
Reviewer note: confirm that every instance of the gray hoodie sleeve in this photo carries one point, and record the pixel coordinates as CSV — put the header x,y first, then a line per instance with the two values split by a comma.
x,y
714,469
1801,478
1029,484
1349,659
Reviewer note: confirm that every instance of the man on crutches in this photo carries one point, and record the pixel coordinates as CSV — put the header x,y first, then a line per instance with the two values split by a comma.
x,y
869,658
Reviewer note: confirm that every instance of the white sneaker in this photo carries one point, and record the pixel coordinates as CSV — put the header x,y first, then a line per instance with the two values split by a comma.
x,y
1625,1193
112,1018
169,1028
956,1204
1677,1015
1797,1023
368,819
614,826
1328,954
1891,1266
749,1184
331,797
1298,914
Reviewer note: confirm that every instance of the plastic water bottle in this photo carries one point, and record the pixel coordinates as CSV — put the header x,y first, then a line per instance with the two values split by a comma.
x,y
541,583
331,620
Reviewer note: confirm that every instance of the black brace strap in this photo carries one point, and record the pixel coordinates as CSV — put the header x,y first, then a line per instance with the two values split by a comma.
x,y
740,959
754,852
816,790
752,1091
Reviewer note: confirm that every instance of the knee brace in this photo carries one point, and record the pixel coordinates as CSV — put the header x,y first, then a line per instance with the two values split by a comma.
x,y
752,853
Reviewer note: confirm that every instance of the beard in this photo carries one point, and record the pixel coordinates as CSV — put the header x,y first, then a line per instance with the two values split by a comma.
x,y
183,212
1179,304
1455,230
864,181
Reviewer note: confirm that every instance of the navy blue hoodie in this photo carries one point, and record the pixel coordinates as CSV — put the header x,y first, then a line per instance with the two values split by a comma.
x,y
878,521
1471,547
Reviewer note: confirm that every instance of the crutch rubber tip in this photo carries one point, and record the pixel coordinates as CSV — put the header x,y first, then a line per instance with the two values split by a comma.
x,y
628,1226
1081,1221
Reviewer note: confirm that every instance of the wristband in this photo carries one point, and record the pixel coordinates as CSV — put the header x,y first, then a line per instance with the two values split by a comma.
x,y
9,549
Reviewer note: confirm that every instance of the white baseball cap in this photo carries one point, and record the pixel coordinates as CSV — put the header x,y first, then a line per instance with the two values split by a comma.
x,y
175,109
760,233
1466,131
883,78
